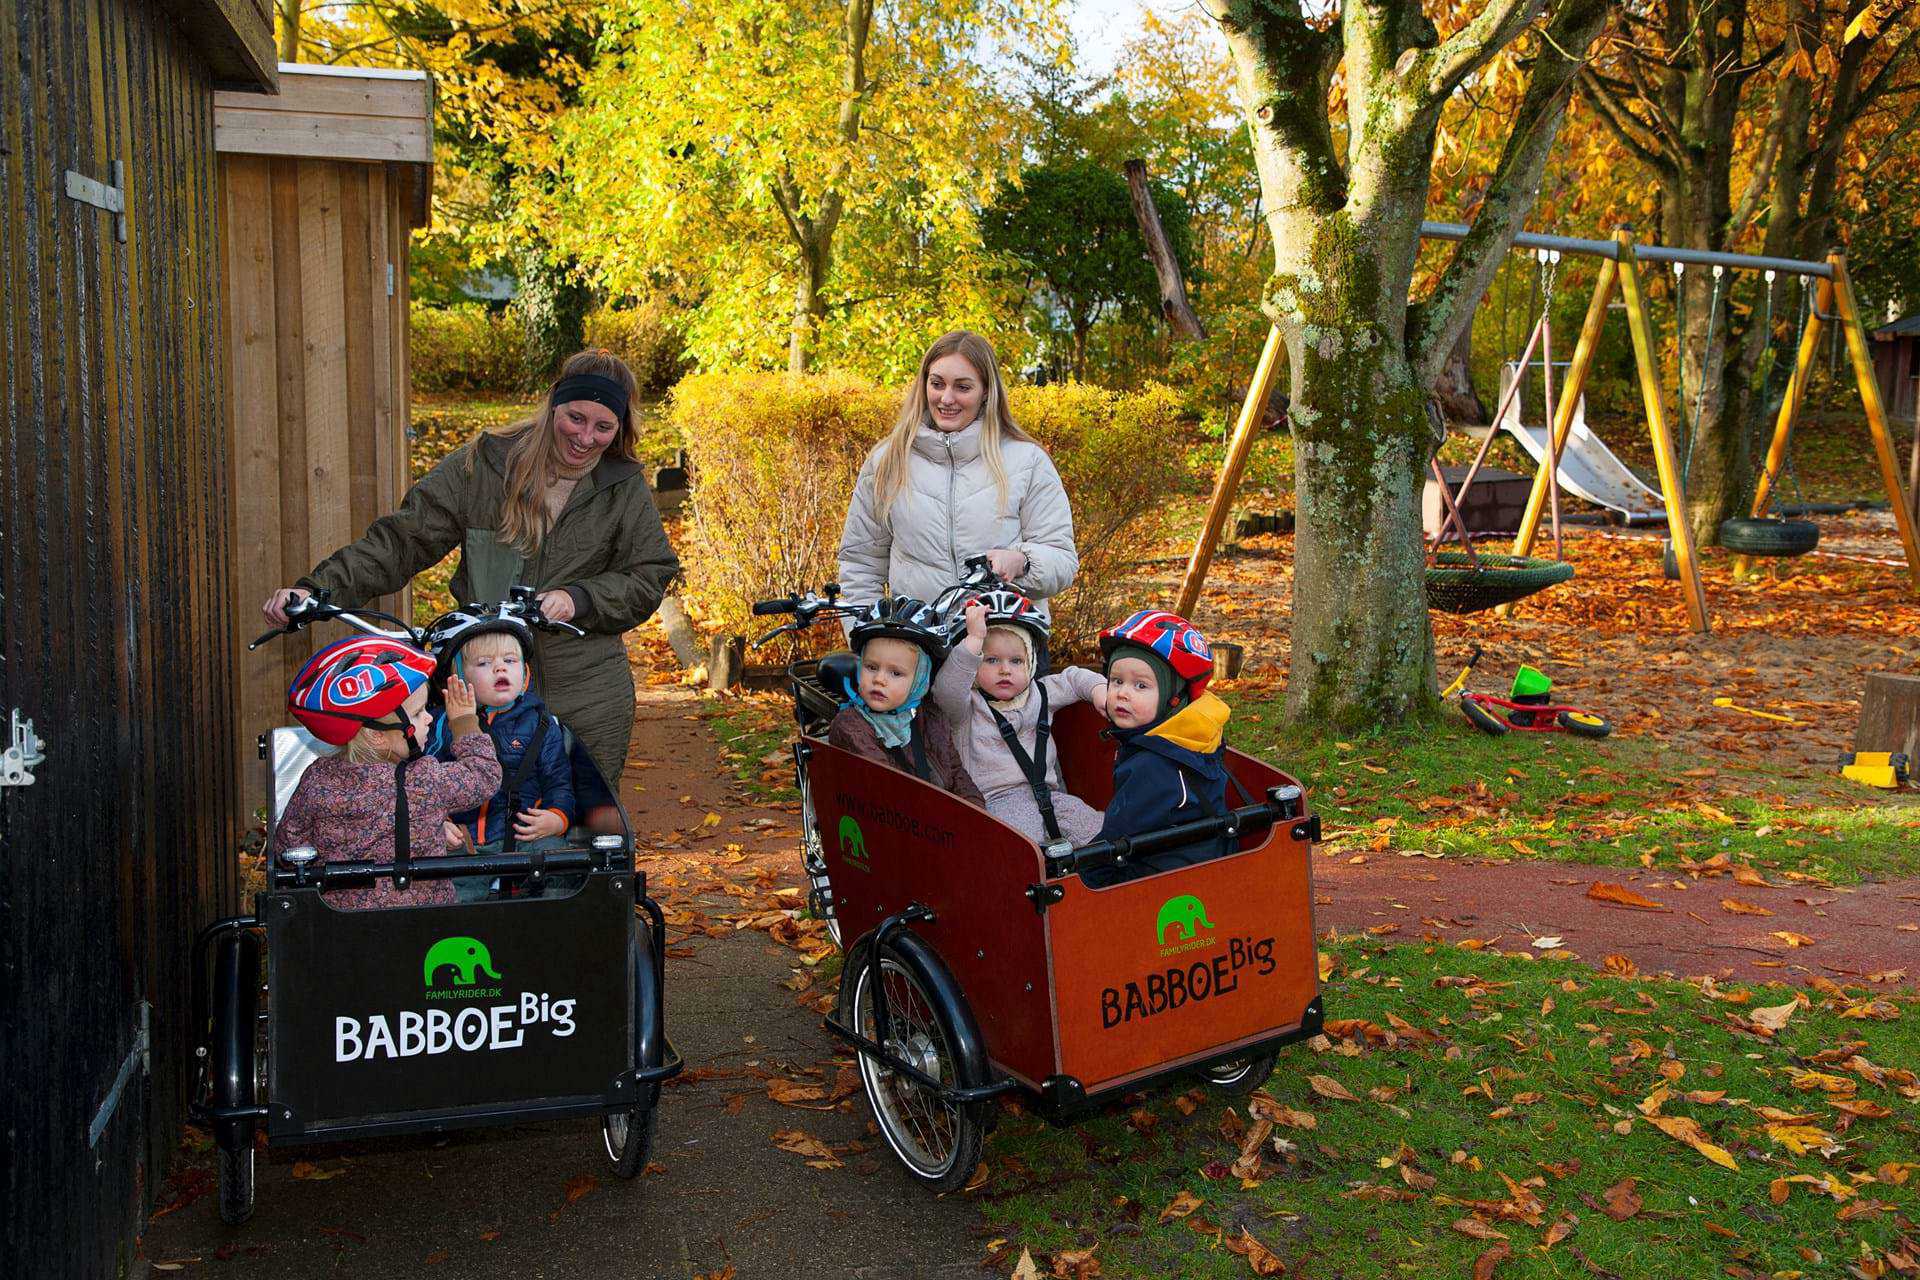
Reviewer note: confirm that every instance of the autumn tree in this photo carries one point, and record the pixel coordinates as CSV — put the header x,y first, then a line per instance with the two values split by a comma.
x,y
1070,228
504,73
827,153
1758,120
1344,205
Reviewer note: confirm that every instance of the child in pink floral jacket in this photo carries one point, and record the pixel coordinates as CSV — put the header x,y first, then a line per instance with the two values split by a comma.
x,y
369,696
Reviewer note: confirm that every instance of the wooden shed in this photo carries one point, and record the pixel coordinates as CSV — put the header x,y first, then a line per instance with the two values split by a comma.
x,y
321,187
115,639
1896,366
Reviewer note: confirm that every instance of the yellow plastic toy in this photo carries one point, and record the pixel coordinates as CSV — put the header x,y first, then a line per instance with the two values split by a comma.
x,y
1884,769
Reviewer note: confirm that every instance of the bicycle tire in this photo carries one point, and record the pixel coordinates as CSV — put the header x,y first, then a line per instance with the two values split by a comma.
x,y
1583,724
1482,719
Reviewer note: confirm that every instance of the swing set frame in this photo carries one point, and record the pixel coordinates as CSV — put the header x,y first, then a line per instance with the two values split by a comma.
x,y
1834,302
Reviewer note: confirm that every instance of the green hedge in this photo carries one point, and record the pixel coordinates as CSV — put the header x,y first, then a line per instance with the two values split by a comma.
x,y
465,347
470,347
775,458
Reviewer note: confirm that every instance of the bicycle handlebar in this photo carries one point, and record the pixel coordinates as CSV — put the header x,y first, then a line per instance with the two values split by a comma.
x,y
784,604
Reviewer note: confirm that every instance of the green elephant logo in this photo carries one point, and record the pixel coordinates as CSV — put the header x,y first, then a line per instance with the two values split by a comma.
x,y
1187,912
853,844
466,956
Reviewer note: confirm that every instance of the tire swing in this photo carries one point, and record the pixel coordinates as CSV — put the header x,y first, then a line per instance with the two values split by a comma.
x,y
1469,581
1774,535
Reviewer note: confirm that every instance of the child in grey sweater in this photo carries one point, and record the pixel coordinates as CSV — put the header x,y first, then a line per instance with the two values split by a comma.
x,y
994,691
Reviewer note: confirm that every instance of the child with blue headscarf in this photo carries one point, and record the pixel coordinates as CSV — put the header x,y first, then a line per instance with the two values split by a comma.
x,y
888,716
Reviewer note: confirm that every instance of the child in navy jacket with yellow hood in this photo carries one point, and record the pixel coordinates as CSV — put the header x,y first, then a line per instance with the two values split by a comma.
x,y
1170,766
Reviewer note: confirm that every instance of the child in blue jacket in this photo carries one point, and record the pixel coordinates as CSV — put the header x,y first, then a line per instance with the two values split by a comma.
x,y
1170,766
534,806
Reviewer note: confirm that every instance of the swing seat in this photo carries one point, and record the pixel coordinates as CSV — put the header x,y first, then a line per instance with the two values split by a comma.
x,y
1767,537
1455,585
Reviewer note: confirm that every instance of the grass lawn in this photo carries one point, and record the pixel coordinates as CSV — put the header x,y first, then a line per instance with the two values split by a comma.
x,y
1442,787
1466,1103
1445,787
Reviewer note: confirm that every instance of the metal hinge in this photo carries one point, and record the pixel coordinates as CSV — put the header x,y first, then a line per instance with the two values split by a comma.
x,y
101,196
22,754
1045,895
139,1056
1307,829
389,279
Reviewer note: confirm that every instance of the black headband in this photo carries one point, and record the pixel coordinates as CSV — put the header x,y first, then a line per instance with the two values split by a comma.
x,y
591,386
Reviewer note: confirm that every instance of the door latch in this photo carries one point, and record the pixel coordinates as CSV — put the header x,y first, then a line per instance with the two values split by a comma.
x,y
101,196
22,754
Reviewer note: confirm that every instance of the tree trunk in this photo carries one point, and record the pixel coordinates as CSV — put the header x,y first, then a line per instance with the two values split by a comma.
x,y
1362,647
552,308
1174,307
289,11
1890,716
1454,391
809,307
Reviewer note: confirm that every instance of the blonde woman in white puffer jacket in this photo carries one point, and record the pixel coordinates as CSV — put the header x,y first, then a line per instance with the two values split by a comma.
x,y
956,478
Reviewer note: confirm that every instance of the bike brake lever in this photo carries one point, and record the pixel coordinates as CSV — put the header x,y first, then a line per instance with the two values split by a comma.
x,y
277,631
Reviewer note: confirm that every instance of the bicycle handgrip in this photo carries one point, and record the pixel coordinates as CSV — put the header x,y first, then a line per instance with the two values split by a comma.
x,y
782,605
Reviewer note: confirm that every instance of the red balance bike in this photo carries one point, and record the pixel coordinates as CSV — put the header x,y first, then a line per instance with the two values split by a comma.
x,y
1528,706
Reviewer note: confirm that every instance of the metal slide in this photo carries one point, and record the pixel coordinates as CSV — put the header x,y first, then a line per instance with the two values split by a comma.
x,y
1588,469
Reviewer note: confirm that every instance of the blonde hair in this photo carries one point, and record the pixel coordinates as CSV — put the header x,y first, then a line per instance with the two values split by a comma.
x,y
491,644
531,449
996,418
373,746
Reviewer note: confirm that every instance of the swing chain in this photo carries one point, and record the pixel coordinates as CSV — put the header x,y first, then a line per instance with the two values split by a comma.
x,y
1766,400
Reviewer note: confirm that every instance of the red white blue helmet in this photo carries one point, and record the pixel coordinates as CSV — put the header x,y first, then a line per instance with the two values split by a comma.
x,y
1171,638
358,683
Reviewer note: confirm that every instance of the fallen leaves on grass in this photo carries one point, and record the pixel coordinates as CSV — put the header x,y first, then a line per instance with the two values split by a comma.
x,y
1483,1265
1075,1264
1687,1130
1025,1269
1622,1199
1328,1087
1774,1017
1180,1206
1477,1229
1621,967
1618,895
1260,1258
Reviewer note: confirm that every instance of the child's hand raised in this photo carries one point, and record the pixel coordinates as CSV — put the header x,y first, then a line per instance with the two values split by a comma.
x,y
1099,697
459,698
976,614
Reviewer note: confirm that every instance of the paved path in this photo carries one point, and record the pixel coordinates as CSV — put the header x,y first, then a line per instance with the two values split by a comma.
x,y
495,1203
